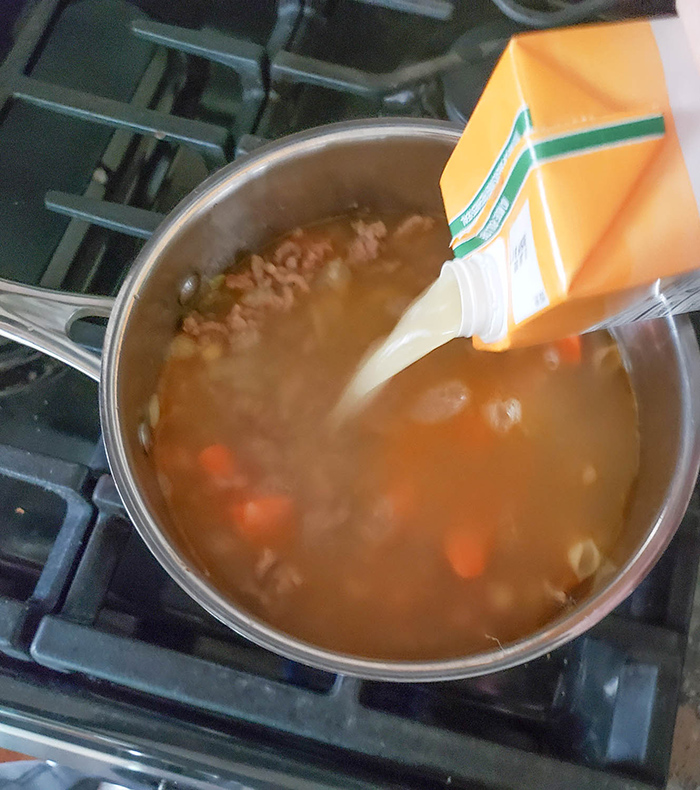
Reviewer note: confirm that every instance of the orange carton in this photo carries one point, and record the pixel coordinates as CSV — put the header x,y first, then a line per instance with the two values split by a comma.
x,y
577,179
573,198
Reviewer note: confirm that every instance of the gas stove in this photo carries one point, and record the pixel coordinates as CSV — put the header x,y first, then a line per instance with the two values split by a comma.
x,y
110,112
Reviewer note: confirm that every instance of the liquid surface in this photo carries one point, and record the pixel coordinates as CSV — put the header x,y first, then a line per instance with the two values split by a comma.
x,y
474,499
430,322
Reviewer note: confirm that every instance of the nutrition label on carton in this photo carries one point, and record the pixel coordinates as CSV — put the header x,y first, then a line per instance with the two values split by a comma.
x,y
527,289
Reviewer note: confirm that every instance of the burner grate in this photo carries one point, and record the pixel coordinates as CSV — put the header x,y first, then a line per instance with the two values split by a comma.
x,y
45,518
196,71
606,700
103,657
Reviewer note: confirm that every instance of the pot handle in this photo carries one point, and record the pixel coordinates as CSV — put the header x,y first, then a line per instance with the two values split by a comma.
x,y
41,319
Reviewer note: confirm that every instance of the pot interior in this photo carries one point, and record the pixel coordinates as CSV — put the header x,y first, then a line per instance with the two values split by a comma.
x,y
386,167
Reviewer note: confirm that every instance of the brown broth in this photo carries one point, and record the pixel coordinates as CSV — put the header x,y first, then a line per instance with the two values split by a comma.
x,y
438,522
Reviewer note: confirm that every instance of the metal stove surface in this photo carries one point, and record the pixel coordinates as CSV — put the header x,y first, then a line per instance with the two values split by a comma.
x,y
110,112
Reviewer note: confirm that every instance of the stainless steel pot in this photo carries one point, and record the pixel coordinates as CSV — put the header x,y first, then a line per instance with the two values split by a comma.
x,y
385,165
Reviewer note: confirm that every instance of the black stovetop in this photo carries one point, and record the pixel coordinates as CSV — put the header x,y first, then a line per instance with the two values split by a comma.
x,y
110,112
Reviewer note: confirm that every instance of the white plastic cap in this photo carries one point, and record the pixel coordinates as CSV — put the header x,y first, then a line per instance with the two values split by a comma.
x,y
483,295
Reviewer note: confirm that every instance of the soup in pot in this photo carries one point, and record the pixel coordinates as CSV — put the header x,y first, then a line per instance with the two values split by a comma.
x,y
472,501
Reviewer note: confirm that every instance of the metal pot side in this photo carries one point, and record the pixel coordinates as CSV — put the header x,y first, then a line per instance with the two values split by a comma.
x,y
391,165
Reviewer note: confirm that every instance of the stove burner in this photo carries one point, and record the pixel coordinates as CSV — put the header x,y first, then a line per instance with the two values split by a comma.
x,y
110,112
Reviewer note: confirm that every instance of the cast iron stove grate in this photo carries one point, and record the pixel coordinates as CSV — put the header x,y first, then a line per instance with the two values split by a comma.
x,y
105,664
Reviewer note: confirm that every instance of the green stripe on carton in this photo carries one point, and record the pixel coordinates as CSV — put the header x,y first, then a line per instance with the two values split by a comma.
x,y
566,145
522,124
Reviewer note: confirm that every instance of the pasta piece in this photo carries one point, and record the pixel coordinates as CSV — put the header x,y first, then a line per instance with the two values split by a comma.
x,y
211,351
551,358
182,347
153,411
559,596
589,475
607,359
502,415
336,275
584,558
501,597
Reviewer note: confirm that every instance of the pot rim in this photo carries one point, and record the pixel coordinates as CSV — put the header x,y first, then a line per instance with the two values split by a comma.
x,y
546,639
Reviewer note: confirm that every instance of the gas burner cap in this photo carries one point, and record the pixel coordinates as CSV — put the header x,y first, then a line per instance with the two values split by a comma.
x,y
480,49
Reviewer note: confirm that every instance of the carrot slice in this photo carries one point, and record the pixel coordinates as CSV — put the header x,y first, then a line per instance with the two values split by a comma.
x,y
569,349
264,520
217,460
467,552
